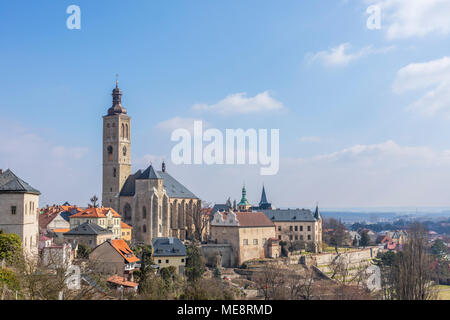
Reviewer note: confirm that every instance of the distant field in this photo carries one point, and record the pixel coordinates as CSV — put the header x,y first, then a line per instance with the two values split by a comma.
x,y
444,292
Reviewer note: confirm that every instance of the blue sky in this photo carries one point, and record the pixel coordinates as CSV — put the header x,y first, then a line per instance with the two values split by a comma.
x,y
364,119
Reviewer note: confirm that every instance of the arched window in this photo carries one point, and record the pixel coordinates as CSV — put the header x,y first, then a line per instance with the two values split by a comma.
x,y
124,151
127,134
123,131
144,228
144,212
110,153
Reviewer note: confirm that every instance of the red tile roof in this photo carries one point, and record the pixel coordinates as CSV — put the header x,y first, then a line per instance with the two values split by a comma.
x,y
253,219
122,247
121,281
95,213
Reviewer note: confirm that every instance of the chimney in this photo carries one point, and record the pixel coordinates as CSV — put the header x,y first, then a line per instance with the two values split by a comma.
x,y
163,167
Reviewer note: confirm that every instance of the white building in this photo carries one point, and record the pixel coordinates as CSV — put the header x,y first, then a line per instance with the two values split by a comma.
x,y
19,203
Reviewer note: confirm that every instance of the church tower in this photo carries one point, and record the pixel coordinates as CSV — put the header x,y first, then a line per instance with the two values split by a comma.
x,y
116,150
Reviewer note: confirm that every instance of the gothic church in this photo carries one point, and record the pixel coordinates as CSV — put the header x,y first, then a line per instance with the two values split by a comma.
x,y
151,201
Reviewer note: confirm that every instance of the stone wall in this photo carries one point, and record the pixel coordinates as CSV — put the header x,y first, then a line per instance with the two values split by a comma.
x,y
352,257
211,251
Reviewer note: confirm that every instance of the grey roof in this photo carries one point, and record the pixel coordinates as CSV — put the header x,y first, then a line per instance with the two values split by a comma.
x,y
164,247
9,182
88,229
129,186
220,207
149,173
290,215
173,188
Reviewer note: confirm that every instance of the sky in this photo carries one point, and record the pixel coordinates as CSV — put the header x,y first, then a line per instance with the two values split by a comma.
x,y
363,114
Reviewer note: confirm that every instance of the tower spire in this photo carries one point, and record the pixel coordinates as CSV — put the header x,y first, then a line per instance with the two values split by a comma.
x,y
117,107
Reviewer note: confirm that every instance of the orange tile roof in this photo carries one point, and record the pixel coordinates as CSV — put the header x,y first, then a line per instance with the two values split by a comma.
x,y
61,230
95,213
121,281
123,225
122,247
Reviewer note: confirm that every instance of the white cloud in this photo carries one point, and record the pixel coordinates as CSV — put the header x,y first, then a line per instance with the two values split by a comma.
x,y
433,78
342,55
384,174
312,139
179,123
414,18
239,103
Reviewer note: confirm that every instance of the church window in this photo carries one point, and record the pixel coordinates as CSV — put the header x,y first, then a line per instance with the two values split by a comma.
x,y
110,153
123,131
13,209
144,228
114,172
124,151
126,131
144,213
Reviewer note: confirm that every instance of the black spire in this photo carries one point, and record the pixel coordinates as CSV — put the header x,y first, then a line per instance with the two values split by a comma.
x,y
317,213
264,204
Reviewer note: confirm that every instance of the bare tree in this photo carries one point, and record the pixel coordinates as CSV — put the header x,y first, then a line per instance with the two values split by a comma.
x,y
410,275
94,200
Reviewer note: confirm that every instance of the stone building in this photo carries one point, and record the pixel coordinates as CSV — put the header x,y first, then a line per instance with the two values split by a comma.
x,y
19,212
297,225
153,202
114,257
248,233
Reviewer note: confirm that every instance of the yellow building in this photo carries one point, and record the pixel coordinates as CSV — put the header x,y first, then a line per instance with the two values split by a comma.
x,y
127,231
106,218
169,252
